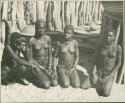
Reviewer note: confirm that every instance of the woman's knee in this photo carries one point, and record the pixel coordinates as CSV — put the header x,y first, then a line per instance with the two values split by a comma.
x,y
75,81
4,72
23,68
5,68
64,81
65,85
84,86
46,85
54,83
42,85
76,84
104,94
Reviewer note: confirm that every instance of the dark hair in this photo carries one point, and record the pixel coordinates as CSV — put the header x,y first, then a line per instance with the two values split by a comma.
x,y
69,27
16,39
39,21
111,30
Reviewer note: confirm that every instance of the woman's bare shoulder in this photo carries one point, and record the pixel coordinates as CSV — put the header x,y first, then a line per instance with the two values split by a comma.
x,y
32,40
119,49
75,42
47,37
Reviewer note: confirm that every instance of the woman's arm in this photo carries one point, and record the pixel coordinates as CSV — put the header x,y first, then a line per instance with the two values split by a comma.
x,y
118,59
16,58
56,54
49,53
76,55
30,56
55,58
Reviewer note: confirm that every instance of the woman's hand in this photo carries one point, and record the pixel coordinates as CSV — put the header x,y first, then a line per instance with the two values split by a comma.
x,y
50,69
53,75
34,66
41,67
68,72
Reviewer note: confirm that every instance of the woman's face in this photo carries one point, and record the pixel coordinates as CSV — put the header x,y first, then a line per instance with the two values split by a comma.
x,y
23,46
40,29
68,34
110,37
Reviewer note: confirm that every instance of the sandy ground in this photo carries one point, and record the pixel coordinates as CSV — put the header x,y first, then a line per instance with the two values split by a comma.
x,y
20,93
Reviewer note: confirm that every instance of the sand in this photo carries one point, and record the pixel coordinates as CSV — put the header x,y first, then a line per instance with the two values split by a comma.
x,y
30,93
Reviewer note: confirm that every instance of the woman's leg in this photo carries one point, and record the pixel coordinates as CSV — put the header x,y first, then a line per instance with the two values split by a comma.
x,y
5,70
74,78
17,73
63,78
54,80
40,79
104,88
85,84
89,81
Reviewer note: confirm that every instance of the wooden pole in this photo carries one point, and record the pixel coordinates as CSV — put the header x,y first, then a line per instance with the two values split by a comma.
x,y
122,72
100,11
20,16
33,12
62,14
2,37
81,13
116,40
5,10
57,5
90,16
84,12
96,11
66,12
73,16
103,26
49,16
77,10
13,16
93,10
1,44
87,11
117,32
124,45
40,9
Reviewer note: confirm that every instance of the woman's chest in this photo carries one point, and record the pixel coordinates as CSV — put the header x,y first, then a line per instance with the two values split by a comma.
x,y
108,52
40,44
67,48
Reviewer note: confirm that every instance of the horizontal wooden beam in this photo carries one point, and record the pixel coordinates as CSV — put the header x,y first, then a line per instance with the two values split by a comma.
x,y
113,17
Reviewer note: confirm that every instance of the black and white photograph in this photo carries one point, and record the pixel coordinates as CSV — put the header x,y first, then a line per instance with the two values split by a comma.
x,y
62,51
